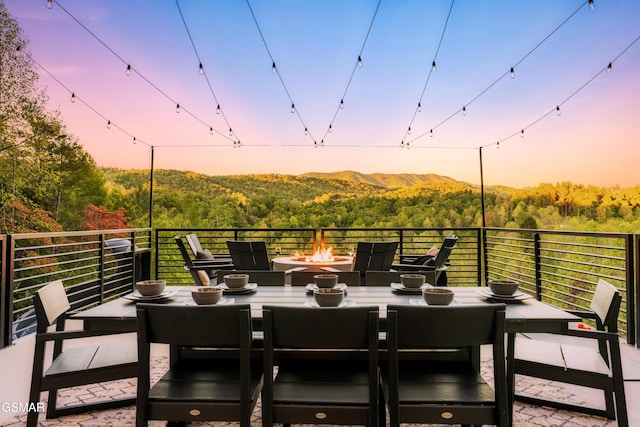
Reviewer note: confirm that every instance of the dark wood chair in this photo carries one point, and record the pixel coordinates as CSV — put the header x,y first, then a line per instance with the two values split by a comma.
x,y
587,356
445,390
303,278
248,255
381,278
327,362
376,256
223,386
433,267
73,366
203,271
261,277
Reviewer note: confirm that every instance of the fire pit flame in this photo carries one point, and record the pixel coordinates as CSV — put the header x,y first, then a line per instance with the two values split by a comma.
x,y
321,255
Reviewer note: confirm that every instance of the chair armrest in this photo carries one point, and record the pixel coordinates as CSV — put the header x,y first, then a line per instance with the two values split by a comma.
x,y
592,333
72,334
582,314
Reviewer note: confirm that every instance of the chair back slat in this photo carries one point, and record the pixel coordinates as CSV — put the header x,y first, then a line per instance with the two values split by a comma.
x,y
606,305
50,303
466,325
327,324
445,250
248,255
375,256
193,326
194,243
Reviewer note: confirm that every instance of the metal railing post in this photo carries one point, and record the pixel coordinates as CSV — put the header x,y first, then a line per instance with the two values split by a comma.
x,y
536,263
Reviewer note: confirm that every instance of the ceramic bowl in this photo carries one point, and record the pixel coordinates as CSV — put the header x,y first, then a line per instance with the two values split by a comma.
x,y
206,295
328,297
437,296
503,287
412,280
325,280
236,280
150,288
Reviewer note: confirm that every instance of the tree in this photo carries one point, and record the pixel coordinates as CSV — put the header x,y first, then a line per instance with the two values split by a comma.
x,y
100,218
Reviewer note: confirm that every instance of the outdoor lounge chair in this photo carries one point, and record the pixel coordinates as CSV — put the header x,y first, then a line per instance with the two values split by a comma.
x,y
433,267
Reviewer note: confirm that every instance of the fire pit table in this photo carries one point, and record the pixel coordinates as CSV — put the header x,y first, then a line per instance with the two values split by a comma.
x,y
341,263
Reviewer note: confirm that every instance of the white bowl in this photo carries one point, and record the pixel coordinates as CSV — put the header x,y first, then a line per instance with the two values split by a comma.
x,y
413,281
503,287
329,297
236,280
437,296
150,288
325,280
206,295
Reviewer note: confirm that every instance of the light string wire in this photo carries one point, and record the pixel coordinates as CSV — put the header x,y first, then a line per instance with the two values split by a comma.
x,y
129,67
506,73
353,72
85,103
275,70
574,93
203,70
426,83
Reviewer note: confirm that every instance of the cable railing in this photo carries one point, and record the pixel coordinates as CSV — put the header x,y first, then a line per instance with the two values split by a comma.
x,y
560,268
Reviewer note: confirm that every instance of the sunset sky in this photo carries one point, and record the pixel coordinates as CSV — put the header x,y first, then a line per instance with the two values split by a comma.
x,y
559,50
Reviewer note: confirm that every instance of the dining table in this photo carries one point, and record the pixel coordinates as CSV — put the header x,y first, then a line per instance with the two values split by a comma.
x,y
523,314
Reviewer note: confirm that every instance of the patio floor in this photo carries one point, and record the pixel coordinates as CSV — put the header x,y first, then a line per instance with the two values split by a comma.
x,y
15,371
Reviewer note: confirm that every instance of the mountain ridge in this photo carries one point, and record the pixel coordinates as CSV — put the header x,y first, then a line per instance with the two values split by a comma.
x,y
386,180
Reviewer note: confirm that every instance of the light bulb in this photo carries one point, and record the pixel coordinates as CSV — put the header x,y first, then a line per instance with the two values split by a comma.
x,y
128,72
609,68
273,67
315,144
409,131
134,139
230,132
177,108
558,112
408,146
330,128
431,133
522,133
293,108
239,144
108,124
419,107
201,69
306,131
464,111
433,66
592,5
401,144
498,145
210,130
73,97
49,4
342,104
322,142
513,73
359,61
218,109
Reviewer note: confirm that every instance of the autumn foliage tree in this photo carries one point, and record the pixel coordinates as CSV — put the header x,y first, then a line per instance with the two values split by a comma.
x,y
100,218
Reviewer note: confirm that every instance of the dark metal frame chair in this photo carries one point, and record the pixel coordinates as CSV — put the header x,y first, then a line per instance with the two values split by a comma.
x,y
376,256
434,268
445,390
303,278
249,255
196,267
222,386
327,362
584,357
73,366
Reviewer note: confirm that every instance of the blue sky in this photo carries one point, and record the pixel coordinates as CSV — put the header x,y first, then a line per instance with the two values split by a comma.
x,y
315,45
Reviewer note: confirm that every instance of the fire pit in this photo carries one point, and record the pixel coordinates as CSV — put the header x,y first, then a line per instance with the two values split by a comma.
x,y
321,260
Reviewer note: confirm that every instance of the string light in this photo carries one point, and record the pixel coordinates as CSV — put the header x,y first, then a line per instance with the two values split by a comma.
x,y
218,109
464,111
134,139
433,66
419,107
431,133
49,4
230,132
522,133
342,104
513,73
273,67
293,108
306,131
315,144
210,130
609,68
498,145
178,108
108,124
128,72
592,5
558,112
73,97
322,143
330,128
201,69
359,61
409,131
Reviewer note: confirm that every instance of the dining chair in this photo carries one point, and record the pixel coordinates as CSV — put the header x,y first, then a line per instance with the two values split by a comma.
x,y
203,271
260,277
584,355
249,255
303,278
447,388
434,267
70,366
376,256
223,386
327,365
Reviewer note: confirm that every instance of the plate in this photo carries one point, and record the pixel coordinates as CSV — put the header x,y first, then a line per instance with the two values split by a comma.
x,y
223,301
344,303
312,286
227,290
401,288
517,296
137,296
421,301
